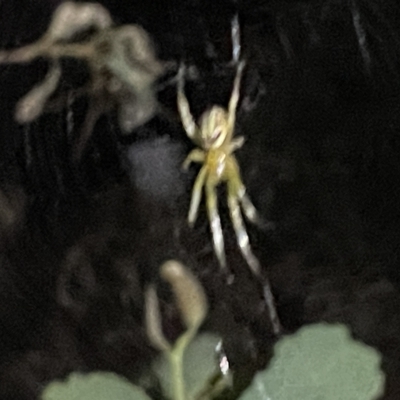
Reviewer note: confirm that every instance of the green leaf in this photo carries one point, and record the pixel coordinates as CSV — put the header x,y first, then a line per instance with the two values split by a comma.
x,y
200,364
320,362
96,386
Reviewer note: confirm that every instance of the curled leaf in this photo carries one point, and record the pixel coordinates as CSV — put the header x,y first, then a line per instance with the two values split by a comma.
x,y
190,297
154,321
70,17
33,103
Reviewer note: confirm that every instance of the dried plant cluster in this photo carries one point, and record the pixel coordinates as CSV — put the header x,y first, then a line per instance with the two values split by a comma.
x,y
121,60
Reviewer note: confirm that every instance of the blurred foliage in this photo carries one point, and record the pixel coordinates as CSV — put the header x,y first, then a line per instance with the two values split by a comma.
x,y
98,385
319,362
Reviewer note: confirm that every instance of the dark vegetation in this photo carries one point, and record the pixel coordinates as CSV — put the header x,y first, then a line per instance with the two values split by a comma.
x,y
320,111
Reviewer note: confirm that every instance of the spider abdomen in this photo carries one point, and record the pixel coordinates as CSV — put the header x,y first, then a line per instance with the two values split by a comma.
x,y
216,161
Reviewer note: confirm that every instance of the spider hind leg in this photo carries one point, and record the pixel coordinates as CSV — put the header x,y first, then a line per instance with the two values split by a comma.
x,y
249,209
240,230
236,195
215,223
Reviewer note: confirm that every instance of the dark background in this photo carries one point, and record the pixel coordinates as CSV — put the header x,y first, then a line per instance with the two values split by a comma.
x,y
320,113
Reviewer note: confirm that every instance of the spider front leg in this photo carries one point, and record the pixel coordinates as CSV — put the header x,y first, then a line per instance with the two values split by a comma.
x,y
234,100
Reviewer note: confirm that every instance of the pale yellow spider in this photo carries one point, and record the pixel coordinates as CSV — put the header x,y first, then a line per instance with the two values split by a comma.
x,y
214,136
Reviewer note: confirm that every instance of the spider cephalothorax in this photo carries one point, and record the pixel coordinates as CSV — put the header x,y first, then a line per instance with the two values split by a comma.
x,y
214,127
214,136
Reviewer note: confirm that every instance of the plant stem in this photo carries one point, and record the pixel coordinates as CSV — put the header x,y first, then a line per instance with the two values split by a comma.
x,y
176,362
176,356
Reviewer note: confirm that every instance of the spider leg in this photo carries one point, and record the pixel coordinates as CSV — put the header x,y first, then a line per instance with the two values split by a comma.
x,y
184,109
249,210
236,47
215,223
236,143
240,229
196,195
196,155
238,188
236,194
234,100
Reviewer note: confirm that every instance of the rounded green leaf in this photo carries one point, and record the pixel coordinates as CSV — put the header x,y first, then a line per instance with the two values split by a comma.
x,y
319,362
96,386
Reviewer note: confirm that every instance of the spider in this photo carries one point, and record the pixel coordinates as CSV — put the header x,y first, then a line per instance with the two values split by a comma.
x,y
216,146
